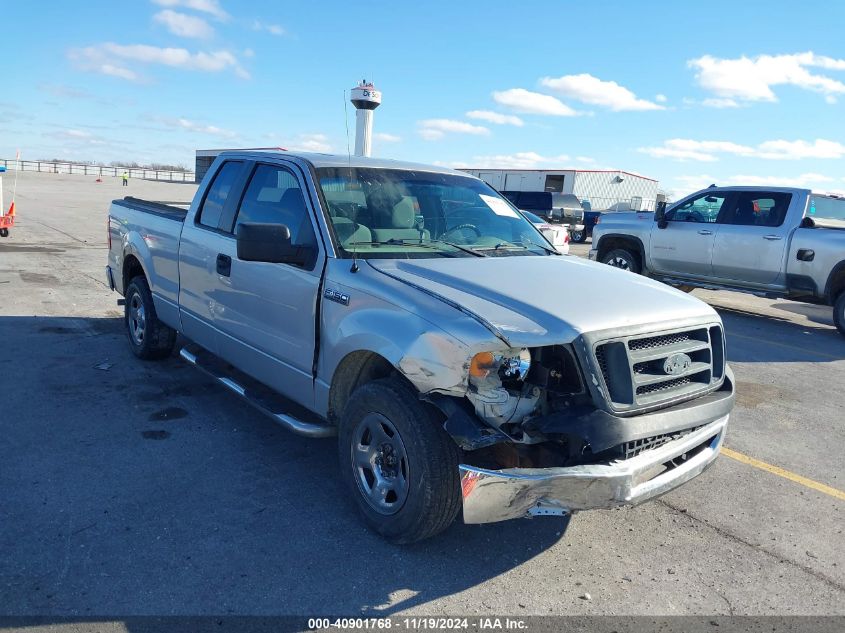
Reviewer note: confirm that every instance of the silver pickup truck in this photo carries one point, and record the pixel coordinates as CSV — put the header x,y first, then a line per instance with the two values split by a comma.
x,y
417,315
770,241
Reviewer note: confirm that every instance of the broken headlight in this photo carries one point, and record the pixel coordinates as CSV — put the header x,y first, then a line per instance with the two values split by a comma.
x,y
498,367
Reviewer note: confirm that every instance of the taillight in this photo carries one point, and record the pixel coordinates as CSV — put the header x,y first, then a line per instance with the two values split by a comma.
x,y
566,238
108,231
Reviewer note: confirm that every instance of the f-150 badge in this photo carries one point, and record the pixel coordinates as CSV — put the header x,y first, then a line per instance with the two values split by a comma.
x,y
336,296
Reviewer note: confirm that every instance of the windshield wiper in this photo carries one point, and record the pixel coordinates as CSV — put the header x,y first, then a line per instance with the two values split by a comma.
x,y
521,245
460,248
424,243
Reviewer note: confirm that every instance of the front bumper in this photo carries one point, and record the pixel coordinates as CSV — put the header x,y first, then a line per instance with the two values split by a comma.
x,y
593,254
497,495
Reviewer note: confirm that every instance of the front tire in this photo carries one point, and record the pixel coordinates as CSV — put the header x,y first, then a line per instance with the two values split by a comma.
x,y
839,313
622,258
400,465
149,338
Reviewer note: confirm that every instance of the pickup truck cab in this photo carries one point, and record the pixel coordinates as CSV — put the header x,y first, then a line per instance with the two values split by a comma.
x,y
418,316
770,241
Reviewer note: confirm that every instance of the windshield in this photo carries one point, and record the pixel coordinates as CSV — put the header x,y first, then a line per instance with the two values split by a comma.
x,y
393,213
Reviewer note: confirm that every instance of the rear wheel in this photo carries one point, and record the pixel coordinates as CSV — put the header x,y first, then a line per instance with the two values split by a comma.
x,y
579,237
622,258
839,313
149,338
401,467
4,232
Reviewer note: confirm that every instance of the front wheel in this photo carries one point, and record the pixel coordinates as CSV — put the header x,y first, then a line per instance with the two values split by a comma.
x,y
839,313
4,232
624,259
400,466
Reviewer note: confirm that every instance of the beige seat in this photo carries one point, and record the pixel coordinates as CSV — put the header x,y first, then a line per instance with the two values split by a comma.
x,y
403,220
349,232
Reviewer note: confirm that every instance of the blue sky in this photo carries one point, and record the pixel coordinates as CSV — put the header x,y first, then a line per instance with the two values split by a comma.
x,y
688,93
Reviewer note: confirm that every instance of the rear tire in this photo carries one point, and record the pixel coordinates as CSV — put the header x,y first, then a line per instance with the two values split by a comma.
x,y
4,232
149,338
839,313
390,441
623,259
579,237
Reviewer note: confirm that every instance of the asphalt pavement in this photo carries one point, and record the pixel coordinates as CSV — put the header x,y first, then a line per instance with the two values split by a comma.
x,y
133,488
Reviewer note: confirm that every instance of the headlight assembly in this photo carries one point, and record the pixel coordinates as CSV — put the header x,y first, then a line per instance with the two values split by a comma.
x,y
511,364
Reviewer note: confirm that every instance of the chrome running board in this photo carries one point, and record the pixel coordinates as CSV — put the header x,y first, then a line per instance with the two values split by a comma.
x,y
259,396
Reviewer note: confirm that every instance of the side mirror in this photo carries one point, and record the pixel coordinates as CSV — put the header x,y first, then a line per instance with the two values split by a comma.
x,y
270,243
660,215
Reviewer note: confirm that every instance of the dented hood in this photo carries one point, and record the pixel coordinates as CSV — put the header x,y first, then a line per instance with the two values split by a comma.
x,y
531,301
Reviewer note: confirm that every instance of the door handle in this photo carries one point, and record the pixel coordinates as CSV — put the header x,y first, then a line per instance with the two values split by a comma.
x,y
705,232
224,265
772,238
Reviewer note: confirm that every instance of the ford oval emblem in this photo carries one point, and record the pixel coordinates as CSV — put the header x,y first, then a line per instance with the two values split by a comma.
x,y
677,364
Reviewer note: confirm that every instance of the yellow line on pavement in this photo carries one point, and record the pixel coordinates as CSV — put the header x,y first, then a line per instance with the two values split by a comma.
x,y
780,472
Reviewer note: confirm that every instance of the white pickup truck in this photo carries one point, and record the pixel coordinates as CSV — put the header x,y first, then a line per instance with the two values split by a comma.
x,y
769,241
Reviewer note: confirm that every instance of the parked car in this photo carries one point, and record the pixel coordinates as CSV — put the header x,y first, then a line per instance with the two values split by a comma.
x,y
770,241
554,207
557,234
414,313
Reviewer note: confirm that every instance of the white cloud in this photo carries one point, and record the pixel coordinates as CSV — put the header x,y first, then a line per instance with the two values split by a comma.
x,y
384,137
660,98
184,25
594,91
685,185
495,117
830,99
79,138
434,129
116,71
211,7
523,160
719,102
273,29
199,128
709,151
529,102
102,58
310,143
752,78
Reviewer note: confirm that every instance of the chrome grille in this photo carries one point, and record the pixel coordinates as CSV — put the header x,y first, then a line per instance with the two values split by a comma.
x,y
657,341
653,369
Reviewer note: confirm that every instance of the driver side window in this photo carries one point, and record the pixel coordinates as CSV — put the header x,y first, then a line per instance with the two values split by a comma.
x,y
704,208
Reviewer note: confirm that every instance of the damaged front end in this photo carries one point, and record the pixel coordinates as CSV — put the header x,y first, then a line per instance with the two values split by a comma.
x,y
540,438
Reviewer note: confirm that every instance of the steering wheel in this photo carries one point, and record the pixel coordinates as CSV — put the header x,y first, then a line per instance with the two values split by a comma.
x,y
454,229
695,216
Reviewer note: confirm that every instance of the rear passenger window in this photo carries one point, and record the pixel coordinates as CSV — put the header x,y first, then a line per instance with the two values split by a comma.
x,y
755,208
273,196
218,193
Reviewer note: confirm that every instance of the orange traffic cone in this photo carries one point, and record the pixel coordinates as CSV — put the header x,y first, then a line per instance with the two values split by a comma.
x,y
11,212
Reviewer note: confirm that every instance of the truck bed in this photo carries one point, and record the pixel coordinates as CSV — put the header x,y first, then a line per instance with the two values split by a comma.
x,y
168,209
